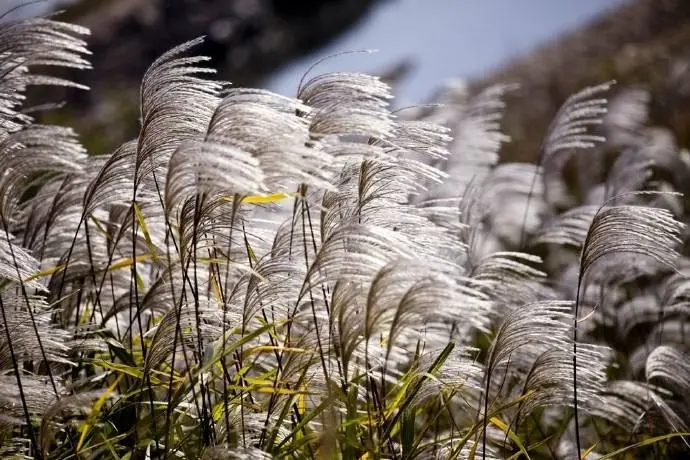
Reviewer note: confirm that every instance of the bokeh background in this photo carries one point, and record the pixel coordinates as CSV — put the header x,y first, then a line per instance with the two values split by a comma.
x,y
550,47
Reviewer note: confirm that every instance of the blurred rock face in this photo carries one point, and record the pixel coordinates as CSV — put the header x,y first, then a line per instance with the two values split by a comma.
x,y
246,39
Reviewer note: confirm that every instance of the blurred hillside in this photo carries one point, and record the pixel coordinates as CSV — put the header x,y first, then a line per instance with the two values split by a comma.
x,y
644,43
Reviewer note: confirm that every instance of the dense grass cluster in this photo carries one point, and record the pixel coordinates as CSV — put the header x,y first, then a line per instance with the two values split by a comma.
x,y
258,276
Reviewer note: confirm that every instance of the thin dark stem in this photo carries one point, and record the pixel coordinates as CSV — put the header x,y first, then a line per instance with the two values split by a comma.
x,y
17,374
29,309
575,405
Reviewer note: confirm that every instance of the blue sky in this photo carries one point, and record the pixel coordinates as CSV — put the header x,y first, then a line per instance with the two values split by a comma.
x,y
444,38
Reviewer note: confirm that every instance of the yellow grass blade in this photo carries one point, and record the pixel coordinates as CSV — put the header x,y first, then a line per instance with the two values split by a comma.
x,y
96,409
511,434
646,442
145,230
263,199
